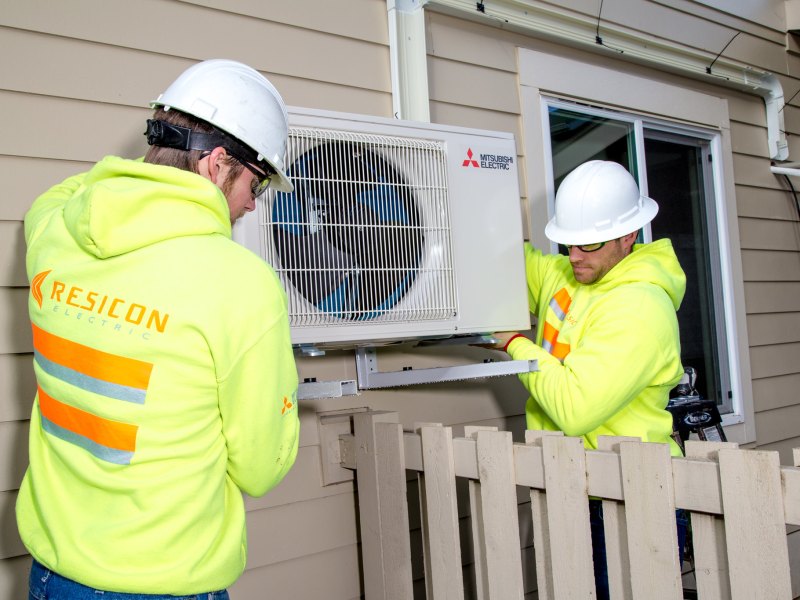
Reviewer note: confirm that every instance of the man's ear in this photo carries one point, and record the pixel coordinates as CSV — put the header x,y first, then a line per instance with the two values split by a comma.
x,y
629,240
214,162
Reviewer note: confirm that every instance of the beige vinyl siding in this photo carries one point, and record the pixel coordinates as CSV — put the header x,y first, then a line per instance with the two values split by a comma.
x,y
773,328
778,424
328,574
775,360
76,85
271,38
12,254
14,577
773,204
24,178
777,391
16,381
15,329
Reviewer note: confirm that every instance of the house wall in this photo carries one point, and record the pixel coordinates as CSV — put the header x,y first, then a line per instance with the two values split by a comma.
x,y
75,80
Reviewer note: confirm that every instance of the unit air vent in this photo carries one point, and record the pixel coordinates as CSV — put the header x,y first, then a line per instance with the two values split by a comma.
x,y
366,224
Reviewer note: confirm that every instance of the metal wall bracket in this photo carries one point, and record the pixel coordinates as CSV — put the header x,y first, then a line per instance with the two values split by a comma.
x,y
312,389
309,350
369,377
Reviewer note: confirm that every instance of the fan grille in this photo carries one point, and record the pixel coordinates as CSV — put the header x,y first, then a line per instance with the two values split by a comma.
x,y
365,236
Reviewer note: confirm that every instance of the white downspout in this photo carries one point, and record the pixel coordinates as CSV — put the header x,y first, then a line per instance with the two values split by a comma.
x,y
772,92
408,59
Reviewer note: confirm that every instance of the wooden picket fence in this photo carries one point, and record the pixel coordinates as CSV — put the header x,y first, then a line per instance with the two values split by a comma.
x,y
739,501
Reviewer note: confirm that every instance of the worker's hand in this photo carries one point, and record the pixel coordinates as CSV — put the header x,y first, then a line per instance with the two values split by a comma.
x,y
502,338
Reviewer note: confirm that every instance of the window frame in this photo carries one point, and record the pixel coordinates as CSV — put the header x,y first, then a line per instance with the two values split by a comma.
x,y
642,128
610,88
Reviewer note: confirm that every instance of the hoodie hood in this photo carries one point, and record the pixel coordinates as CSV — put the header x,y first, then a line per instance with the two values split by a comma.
x,y
123,205
654,263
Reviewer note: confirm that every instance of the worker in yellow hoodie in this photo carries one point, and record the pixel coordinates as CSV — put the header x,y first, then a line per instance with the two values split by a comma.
x,y
607,341
166,377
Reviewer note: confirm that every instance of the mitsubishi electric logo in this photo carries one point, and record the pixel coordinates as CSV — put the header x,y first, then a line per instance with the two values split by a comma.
x,y
488,161
470,162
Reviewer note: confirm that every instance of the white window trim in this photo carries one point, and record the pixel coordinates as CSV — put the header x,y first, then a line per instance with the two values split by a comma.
x,y
544,76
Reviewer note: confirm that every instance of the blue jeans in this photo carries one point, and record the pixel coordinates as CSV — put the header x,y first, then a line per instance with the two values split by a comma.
x,y
599,544
45,584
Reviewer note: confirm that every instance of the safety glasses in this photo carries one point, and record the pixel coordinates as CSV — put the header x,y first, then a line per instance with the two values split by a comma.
x,y
261,182
587,247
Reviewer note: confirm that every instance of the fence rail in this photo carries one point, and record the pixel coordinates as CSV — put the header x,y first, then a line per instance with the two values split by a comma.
x,y
740,502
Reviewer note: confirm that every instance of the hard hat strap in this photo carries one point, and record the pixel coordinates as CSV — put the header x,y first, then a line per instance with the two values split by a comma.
x,y
161,133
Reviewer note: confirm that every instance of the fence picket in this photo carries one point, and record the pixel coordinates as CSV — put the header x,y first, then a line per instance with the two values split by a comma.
x,y
383,510
758,556
501,523
708,536
441,542
650,513
477,522
568,517
616,532
541,532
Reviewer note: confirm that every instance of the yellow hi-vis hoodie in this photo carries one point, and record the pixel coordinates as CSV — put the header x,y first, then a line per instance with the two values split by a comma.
x,y
608,352
166,382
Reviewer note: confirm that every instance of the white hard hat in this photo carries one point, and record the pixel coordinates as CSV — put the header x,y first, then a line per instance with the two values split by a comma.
x,y
241,102
598,201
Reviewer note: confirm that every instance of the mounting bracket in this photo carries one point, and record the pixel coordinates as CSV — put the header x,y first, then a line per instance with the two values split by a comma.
x,y
369,377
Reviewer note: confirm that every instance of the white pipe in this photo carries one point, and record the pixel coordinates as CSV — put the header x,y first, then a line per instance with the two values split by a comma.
x,y
408,59
785,171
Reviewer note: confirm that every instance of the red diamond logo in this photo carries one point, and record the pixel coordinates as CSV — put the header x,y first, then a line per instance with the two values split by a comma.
x,y
470,162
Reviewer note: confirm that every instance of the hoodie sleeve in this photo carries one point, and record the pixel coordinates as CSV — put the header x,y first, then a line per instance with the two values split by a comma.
x,y
617,358
258,404
534,266
48,204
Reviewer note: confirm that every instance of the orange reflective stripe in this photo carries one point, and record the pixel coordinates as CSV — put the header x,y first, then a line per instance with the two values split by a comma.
x,y
560,351
111,434
563,299
549,333
551,344
94,363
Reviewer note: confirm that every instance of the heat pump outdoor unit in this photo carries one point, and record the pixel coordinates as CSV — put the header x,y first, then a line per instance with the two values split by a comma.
x,y
395,230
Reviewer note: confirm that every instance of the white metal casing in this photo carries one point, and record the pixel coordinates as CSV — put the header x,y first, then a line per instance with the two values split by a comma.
x,y
485,234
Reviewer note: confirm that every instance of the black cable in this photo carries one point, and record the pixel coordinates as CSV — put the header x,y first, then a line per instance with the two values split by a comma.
x,y
794,193
597,38
708,68
789,100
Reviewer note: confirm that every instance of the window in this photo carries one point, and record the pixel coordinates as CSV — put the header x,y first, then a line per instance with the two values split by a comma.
x,y
676,143
676,162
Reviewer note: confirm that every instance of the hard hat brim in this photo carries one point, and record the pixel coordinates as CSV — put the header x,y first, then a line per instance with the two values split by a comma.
x,y
282,183
609,231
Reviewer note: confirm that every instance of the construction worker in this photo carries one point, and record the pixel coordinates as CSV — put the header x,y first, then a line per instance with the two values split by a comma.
x,y
607,341
166,377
